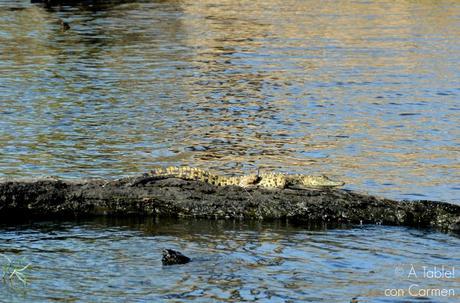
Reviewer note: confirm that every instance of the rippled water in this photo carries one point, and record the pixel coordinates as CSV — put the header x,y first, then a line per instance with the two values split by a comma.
x,y
120,261
364,91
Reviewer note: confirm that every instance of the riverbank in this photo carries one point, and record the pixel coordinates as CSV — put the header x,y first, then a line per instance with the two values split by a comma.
x,y
171,197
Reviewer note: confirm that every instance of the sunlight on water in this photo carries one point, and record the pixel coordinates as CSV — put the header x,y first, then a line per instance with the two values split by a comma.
x,y
366,92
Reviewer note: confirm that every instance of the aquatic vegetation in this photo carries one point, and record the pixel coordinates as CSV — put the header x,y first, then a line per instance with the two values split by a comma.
x,y
14,270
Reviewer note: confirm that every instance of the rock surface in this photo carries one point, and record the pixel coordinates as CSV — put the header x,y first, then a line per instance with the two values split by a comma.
x,y
173,257
171,197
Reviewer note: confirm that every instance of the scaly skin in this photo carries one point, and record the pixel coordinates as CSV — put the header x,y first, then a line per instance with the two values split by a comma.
x,y
193,173
269,180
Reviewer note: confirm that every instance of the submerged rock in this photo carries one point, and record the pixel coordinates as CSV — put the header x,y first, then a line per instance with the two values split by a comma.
x,y
64,25
173,257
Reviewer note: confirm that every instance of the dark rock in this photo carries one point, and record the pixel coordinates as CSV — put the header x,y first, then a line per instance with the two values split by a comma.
x,y
173,257
171,197
455,226
64,25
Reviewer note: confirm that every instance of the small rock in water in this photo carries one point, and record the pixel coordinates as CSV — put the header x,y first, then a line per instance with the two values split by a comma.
x,y
172,257
64,25
354,300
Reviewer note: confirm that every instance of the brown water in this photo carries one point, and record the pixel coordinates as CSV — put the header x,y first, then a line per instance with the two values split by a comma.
x,y
364,91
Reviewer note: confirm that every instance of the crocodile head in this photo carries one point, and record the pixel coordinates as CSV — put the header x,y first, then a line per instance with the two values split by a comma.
x,y
318,181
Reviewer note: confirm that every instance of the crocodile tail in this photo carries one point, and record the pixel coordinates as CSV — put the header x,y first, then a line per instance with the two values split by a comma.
x,y
185,172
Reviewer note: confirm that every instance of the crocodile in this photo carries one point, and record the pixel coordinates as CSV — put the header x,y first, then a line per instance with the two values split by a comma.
x,y
264,180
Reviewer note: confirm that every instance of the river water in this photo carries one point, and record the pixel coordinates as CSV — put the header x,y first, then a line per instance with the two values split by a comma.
x,y
364,91
120,261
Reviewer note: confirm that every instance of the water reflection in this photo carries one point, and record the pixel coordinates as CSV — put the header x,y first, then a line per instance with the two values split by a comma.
x,y
119,260
363,91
